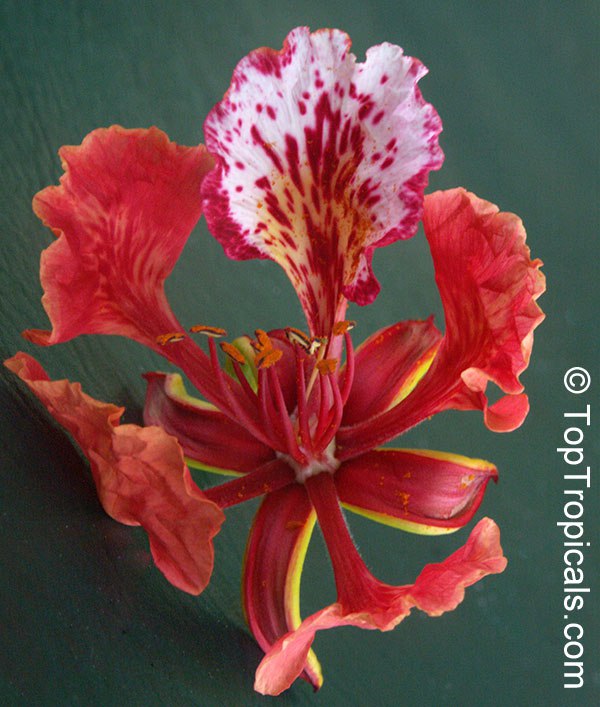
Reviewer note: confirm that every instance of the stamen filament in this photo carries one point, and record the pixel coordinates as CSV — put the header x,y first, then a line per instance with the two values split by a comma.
x,y
288,428
236,410
349,369
302,412
337,410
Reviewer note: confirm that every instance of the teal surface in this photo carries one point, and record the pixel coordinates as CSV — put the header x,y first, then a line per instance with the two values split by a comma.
x,y
85,619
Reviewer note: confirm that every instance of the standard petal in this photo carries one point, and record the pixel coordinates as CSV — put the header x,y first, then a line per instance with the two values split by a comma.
x,y
489,286
208,438
322,160
140,476
123,212
416,490
365,602
388,365
272,570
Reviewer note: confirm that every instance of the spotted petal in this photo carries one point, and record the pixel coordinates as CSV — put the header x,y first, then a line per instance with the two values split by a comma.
x,y
367,603
322,160
123,211
489,286
417,490
140,477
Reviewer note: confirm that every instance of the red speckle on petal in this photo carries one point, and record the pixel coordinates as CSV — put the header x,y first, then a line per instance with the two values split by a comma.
x,y
387,162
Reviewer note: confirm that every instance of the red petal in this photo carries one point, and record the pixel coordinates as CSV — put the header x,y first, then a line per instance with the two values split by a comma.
x,y
205,434
388,365
489,286
322,160
365,602
415,490
123,212
271,581
140,476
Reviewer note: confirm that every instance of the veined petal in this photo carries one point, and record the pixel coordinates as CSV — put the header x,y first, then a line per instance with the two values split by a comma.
x,y
388,365
207,437
123,212
272,570
321,160
140,477
365,602
489,286
416,490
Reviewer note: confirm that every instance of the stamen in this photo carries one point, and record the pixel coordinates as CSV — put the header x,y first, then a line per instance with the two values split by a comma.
x,y
235,408
301,394
296,336
340,328
232,352
337,409
288,429
213,331
349,370
170,338
327,365
265,359
317,343
263,341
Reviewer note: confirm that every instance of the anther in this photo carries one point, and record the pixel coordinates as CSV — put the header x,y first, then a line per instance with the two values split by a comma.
x,y
213,331
317,343
266,359
170,338
327,365
263,340
340,328
232,352
296,336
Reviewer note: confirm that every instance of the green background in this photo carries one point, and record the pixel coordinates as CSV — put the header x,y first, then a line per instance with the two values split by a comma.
x,y
85,618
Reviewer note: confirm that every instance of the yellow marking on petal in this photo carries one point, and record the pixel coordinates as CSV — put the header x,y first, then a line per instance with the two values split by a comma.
x,y
232,352
296,336
327,365
175,388
193,464
170,338
407,525
291,592
469,462
266,359
213,331
419,370
340,328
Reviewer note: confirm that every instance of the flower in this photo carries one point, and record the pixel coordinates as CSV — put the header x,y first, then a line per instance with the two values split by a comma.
x,y
311,160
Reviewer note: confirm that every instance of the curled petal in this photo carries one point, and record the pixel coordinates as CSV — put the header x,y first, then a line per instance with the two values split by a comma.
x,y
365,602
123,211
271,580
388,365
208,438
416,490
321,160
140,476
489,286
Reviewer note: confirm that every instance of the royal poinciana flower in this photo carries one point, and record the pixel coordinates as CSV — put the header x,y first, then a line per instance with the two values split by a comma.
x,y
311,160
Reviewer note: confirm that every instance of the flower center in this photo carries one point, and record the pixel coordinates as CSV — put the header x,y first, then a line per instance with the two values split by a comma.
x,y
286,388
